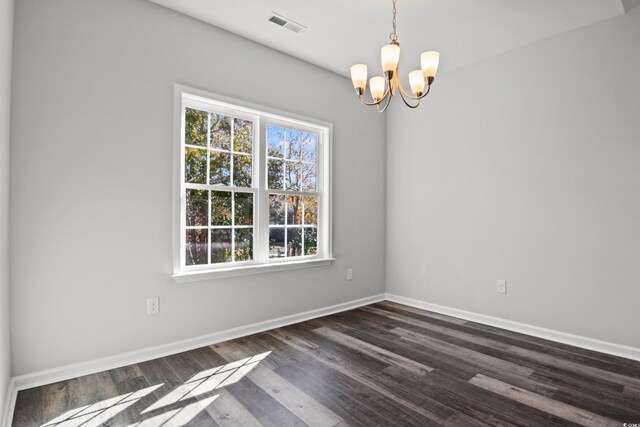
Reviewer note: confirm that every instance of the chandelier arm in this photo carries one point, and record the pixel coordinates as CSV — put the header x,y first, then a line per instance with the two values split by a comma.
x,y
427,92
402,95
382,110
371,104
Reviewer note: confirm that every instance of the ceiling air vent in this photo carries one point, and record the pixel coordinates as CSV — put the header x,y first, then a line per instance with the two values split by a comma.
x,y
285,23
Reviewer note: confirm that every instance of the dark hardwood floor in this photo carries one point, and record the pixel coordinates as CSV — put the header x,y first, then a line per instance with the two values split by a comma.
x,y
380,365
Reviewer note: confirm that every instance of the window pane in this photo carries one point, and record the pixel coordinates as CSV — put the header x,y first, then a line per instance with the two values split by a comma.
x,y
275,141
196,246
310,210
220,208
276,209
242,135
310,148
275,174
294,144
195,166
294,210
276,243
197,207
294,242
220,245
307,177
220,132
195,127
241,170
219,168
244,244
244,208
310,241
292,176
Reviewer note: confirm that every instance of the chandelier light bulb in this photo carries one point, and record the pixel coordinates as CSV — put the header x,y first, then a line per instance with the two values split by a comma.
x,y
390,55
429,63
376,85
359,77
416,80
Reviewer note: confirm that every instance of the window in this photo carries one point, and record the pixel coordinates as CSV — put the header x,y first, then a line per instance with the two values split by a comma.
x,y
292,167
253,189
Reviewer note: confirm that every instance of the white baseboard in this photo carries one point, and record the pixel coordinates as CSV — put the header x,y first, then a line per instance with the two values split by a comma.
x,y
49,376
523,328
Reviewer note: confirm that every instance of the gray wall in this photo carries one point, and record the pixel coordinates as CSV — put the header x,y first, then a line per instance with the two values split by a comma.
x,y
92,179
6,34
526,167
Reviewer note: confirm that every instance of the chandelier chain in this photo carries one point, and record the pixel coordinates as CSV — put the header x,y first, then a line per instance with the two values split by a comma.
x,y
394,35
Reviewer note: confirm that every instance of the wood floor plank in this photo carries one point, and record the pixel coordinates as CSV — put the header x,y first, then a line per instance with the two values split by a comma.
x,y
262,406
380,353
440,329
562,410
574,367
124,374
322,389
386,408
296,342
159,373
133,386
62,400
632,392
422,313
560,378
587,357
614,407
29,409
453,367
294,399
331,349
487,405
281,418
432,358
226,411
488,362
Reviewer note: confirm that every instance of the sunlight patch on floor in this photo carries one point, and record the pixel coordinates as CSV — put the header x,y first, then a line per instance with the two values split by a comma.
x,y
209,380
99,412
194,388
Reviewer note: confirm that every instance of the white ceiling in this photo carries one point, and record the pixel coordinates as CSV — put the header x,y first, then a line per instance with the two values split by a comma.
x,y
341,33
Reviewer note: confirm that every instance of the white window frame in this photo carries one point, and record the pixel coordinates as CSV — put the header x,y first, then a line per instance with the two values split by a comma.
x,y
261,116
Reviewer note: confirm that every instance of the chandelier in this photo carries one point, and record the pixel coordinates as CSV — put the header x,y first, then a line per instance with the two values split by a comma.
x,y
383,88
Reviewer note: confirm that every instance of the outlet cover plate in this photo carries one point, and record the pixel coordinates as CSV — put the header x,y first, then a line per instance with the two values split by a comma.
x,y
153,305
501,286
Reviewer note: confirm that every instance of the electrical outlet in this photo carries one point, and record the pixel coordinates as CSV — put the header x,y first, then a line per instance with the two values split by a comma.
x,y
153,305
349,273
502,286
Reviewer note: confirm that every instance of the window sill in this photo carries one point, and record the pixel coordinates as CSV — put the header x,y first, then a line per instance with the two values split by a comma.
x,y
221,273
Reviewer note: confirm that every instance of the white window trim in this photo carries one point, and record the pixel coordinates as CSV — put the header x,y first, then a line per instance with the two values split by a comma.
x,y
249,110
